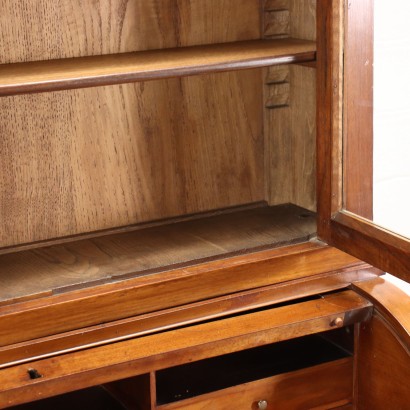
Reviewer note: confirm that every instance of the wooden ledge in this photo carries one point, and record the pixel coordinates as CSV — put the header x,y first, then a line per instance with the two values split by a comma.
x,y
142,355
53,75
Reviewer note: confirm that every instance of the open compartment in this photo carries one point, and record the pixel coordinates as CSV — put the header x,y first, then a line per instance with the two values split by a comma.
x,y
317,369
108,183
210,375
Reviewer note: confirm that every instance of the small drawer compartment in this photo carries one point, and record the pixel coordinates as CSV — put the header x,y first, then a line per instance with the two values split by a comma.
x,y
303,373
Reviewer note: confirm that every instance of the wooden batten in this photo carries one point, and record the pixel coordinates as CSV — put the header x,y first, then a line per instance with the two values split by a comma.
x,y
290,100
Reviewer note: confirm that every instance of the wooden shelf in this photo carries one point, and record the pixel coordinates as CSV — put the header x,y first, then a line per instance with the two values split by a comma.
x,y
87,262
52,75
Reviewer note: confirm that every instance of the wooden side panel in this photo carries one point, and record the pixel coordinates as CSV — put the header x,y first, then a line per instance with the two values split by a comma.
x,y
47,29
358,112
86,160
133,393
383,347
383,368
292,144
290,122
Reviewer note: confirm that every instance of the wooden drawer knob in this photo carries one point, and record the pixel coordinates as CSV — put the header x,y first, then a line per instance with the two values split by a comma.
x,y
338,322
262,405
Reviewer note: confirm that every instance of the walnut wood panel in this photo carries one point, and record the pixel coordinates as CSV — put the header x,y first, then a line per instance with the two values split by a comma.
x,y
358,108
150,65
133,393
323,386
32,30
303,19
329,112
292,147
107,258
141,355
175,317
85,160
383,346
341,228
290,124
378,246
77,309
383,368
392,302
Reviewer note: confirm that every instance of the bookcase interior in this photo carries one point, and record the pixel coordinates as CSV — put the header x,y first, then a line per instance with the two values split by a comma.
x,y
130,178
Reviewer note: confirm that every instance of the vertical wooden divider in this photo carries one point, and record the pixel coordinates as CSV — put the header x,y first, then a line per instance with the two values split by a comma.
x,y
290,100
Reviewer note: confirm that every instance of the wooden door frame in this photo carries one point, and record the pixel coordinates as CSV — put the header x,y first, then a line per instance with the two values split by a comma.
x,y
338,227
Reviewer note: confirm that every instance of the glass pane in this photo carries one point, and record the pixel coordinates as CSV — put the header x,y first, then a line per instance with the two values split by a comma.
x,y
377,112
391,178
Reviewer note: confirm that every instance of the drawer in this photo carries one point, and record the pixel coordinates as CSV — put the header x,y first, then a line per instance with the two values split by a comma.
x,y
325,386
264,328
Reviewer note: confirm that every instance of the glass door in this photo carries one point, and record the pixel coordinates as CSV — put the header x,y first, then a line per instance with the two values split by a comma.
x,y
364,65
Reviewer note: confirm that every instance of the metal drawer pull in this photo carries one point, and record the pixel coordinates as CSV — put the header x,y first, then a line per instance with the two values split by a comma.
x,y
262,405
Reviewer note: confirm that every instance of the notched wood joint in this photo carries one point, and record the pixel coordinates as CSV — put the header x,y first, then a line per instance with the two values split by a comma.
x,y
278,87
276,18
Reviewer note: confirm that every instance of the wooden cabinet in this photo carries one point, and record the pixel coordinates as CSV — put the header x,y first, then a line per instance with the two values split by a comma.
x,y
171,194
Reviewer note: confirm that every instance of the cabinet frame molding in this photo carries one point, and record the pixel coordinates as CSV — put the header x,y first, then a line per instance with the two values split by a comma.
x,y
338,227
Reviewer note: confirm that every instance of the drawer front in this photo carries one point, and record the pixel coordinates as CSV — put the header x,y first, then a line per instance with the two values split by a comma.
x,y
325,386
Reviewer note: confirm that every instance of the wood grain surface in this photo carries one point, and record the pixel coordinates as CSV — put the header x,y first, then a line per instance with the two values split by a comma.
x,y
91,261
392,302
172,318
85,160
290,123
329,113
383,347
323,386
383,368
83,72
358,108
34,30
30,319
138,356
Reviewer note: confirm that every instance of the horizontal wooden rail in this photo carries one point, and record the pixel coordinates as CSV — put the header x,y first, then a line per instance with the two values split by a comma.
x,y
141,355
53,75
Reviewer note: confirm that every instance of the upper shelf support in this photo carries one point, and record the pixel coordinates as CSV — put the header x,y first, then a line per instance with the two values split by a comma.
x,y
81,72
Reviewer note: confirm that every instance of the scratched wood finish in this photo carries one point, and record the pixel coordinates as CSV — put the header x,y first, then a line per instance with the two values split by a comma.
x,y
107,258
85,160
83,72
324,386
33,30
141,355
291,127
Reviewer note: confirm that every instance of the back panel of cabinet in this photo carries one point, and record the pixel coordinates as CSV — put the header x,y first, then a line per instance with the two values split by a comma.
x,y
95,160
